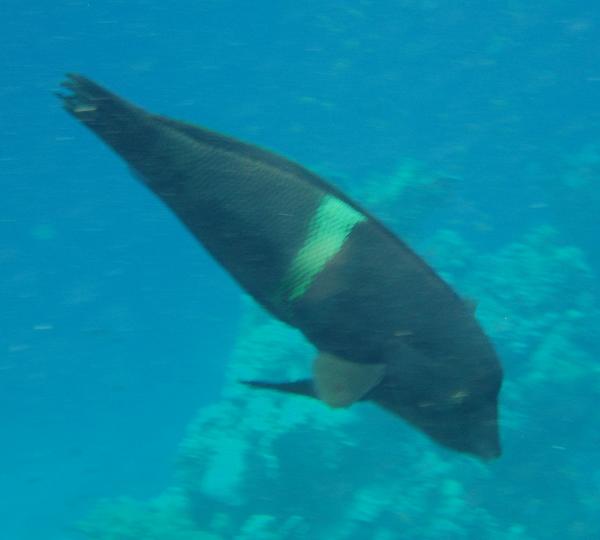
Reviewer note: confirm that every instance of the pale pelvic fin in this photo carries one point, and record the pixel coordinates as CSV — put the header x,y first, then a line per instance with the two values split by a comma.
x,y
339,382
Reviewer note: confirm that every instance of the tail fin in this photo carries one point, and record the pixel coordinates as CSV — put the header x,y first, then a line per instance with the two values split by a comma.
x,y
119,123
91,103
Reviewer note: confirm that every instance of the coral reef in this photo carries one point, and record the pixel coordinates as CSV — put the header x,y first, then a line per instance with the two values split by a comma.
x,y
264,465
575,198
404,198
164,518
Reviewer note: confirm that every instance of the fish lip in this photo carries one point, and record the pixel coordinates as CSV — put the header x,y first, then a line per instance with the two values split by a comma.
x,y
489,456
488,450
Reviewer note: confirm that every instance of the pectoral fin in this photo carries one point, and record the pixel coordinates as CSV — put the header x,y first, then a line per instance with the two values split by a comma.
x,y
339,383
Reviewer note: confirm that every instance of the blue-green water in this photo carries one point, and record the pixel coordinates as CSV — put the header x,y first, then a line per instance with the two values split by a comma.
x,y
116,329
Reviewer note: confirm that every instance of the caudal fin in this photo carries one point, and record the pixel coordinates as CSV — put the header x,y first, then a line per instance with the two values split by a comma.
x,y
119,123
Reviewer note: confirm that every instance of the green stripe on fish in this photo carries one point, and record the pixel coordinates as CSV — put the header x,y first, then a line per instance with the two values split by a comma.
x,y
328,230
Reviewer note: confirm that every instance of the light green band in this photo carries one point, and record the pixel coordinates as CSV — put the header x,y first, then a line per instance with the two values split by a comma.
x,y
327,232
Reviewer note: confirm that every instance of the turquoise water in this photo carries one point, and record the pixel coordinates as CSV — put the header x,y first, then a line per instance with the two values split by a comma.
x,y
118,331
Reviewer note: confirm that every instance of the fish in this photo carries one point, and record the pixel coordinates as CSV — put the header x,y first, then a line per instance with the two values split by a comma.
x,y
386,327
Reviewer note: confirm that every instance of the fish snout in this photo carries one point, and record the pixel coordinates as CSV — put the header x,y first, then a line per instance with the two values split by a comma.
x,y
483,435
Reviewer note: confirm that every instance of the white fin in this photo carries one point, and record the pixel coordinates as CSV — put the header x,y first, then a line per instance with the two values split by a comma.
x,y
339,383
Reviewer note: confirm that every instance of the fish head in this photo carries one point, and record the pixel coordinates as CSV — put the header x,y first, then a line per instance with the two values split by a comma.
x,y
458,409
474,432
464,422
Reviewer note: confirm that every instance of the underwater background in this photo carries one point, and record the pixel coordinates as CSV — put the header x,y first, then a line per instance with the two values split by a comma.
x,y
472,129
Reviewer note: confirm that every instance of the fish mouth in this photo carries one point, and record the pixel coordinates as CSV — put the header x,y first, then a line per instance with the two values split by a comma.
x,y
484,447
475,433
488,452
483,440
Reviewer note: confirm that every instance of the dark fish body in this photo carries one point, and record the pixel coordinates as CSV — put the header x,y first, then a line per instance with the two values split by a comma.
x,y
386,326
